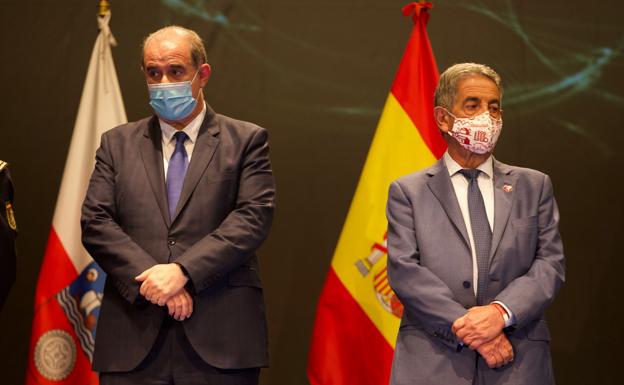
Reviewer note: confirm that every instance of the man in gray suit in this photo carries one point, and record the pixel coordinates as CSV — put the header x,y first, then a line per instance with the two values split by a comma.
x,y
177,205
474,252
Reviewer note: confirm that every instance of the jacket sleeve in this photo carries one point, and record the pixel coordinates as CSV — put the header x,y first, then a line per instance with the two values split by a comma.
x,y
528,295
245,228
427,300
118,255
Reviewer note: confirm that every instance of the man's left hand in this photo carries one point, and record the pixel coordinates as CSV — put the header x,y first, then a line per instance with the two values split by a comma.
x,y
497,352
480,325
161,282
180,305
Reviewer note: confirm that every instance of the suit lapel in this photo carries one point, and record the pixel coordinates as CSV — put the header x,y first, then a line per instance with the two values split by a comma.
x,y
152,156
503,200
205,146
440,185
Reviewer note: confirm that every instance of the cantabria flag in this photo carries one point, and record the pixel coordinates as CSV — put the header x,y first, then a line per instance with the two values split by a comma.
x,y
69,290
358,315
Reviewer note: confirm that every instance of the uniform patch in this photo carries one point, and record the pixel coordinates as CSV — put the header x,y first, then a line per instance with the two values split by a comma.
x,y
55,355
10,215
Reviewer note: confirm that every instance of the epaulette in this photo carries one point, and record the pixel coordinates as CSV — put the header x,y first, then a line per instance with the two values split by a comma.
x,y
3,165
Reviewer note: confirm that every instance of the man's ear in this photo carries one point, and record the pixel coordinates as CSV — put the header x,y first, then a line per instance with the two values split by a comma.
x,y
443,119
204,73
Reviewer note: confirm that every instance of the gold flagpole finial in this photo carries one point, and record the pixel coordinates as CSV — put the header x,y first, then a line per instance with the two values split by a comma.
x,y
104,7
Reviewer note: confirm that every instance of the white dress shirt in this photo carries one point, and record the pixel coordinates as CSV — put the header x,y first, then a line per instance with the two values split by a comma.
x,y
169,142
485,180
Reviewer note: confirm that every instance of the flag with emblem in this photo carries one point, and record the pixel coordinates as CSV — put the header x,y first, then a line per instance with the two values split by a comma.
x,y
70,285
358,314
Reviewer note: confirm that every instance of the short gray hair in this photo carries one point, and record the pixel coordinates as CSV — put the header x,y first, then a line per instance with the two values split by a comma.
x,y
447,85
198,51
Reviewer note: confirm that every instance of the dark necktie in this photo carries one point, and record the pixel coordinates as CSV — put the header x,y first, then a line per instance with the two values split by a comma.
x,y
178,164
481,232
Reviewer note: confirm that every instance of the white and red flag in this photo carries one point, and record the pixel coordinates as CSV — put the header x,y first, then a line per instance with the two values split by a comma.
x,y
70,285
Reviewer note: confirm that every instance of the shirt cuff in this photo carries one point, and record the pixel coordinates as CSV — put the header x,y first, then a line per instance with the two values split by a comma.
x,y
509,318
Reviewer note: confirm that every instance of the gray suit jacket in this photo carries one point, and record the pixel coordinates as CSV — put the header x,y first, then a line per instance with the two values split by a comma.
x,y
430,269
224,214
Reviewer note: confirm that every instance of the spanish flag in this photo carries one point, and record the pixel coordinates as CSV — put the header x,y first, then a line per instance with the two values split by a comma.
x,y
358,315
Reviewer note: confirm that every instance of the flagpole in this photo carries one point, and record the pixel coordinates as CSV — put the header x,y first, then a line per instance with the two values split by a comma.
x,y
104,7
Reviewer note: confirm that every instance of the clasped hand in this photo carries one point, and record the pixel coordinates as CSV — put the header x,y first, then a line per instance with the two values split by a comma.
x,y
497,352
481,330
164,285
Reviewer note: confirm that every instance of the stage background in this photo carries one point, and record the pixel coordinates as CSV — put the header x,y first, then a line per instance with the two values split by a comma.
x,y
316,74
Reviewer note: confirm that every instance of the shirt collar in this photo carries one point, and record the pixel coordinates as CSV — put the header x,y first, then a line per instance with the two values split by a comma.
x,y
191,129
453,167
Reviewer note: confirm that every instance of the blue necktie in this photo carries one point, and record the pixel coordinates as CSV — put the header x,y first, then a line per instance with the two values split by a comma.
x,y
481,232
178,164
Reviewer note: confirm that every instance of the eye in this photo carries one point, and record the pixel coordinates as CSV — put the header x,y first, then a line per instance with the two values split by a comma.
x,y
153,74
470,108
494,110
176,72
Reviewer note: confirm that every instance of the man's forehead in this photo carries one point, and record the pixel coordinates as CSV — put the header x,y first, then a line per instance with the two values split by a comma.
x,y
477,86
170,47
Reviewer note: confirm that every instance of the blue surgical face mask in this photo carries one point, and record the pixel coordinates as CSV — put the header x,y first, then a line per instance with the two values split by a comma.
x,y
172,101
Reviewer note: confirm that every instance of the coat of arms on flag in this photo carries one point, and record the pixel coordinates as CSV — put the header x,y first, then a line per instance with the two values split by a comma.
x,y
55,351
81,302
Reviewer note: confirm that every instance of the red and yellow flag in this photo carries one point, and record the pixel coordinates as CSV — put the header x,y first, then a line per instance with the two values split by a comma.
x,y
358,315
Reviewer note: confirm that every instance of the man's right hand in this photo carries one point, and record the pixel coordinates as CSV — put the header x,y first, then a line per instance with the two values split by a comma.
x,y
497,352
480,325
180,305
161,282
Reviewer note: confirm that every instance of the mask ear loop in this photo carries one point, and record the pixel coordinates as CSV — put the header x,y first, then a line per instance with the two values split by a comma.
x,y
201,89
445,110
448,112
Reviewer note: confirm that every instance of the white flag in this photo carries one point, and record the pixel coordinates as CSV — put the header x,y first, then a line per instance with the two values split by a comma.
x,y
70,285
101,108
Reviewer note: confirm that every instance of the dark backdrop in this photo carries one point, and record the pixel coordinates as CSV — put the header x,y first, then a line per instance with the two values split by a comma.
x,y
316,74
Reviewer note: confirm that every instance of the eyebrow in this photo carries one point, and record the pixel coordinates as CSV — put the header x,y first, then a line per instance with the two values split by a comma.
x,y
174,66
471,99
476,99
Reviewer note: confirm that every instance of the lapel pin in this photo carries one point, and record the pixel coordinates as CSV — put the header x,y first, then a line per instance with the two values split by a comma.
x,y
507,188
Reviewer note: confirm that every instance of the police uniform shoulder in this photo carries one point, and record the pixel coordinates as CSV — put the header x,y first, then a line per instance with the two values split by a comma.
x,y
3,165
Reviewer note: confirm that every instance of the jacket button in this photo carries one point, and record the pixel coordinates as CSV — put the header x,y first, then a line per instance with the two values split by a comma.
x,y
466,284
172,242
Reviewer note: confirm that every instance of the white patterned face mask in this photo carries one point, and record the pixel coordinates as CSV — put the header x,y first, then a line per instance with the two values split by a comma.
x,y
477,134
